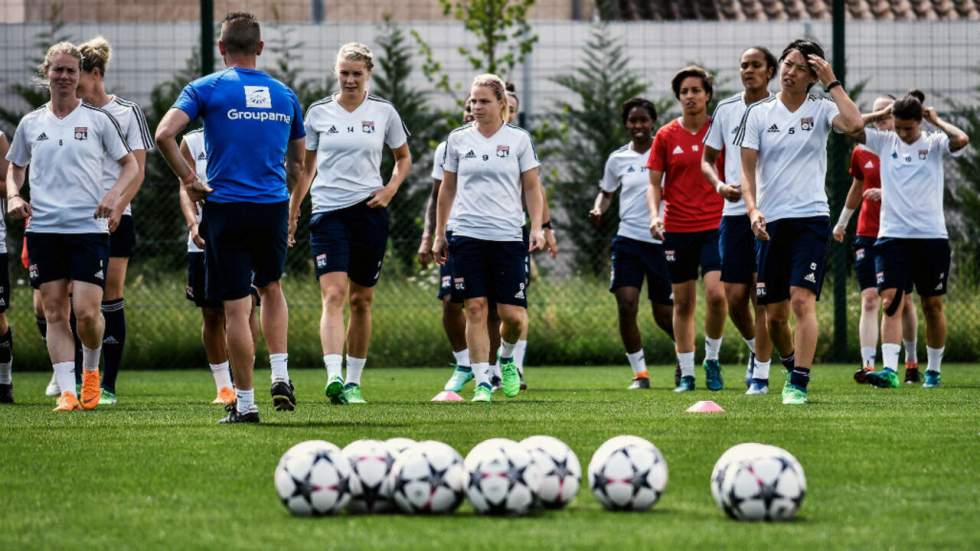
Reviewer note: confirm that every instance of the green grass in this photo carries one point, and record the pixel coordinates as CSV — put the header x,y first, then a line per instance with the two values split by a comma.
x,y
887,469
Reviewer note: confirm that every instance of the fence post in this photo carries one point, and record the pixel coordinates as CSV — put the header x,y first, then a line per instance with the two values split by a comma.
x,y
838,187
207,37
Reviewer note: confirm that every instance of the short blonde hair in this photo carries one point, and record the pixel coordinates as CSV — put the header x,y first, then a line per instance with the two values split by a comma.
x,y
95,54
59,48
355,51
499,89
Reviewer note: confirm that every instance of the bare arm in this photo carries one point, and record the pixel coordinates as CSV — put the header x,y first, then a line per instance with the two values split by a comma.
x,y
4,146
848,119
958,139
708,167
298,193
173,123
112,205
429,224
750,158
851,204
137,183
17,207
294,163
534,196
444,206
654,195
187,207
403,164
599,207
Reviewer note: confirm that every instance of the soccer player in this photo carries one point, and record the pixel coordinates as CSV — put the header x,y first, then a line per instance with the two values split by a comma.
x,y
757,67
635,253
346,134
6,336
453,321
66,143
487,166
865,192
784,166
212,311
132,121
689,224
912,246
252,122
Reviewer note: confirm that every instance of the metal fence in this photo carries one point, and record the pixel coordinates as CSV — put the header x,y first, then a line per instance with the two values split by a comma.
x,y
425,49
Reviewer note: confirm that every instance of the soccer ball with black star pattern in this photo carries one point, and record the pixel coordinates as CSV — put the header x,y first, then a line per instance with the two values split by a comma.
x,y
428,477
628,473
313,480
503,479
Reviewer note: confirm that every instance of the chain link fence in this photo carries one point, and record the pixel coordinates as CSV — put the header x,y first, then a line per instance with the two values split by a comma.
x,y
570,61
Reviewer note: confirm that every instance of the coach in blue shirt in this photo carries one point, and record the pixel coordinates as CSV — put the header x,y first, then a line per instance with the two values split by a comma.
x,y
252,124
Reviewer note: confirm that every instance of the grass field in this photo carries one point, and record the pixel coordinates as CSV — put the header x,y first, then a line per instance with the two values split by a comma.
x,y
886,469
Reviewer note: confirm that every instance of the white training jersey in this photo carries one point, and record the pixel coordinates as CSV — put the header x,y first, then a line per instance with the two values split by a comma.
x,y
792,165
66,159
348,149
135,131
488,172
3,219
912,183
725,123
437,173
628,169
195,144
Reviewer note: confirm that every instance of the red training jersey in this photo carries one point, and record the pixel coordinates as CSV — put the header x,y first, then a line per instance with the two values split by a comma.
x,y
865,167
691,204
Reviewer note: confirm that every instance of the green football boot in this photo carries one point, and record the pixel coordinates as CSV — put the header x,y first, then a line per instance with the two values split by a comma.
x,y
335,390
933,378
107,398
712,375
793,395
352,394
510,378
686,384
459,378
483,393
886,378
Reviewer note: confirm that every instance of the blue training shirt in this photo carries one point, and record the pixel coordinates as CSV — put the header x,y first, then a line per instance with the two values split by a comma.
x,y
249,120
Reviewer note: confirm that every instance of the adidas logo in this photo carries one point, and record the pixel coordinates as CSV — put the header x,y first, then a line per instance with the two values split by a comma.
x,y
110,340
201,156
100,274
869,164
42,137
678,150
520,294
773,129
333,130
811,277
631,170
939,287
470,155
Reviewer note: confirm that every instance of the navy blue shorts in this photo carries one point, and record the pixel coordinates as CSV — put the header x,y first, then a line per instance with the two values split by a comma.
x,y
902,263
794,256
246,245
491,269
4,284
526,233
446,277
632,260
686,251
194,291
123,240
864,262
71,256
736,245
352,240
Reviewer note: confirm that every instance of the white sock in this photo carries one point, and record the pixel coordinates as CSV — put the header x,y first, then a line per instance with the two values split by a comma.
x,y
462,357
354,368
761,370
64,372
333,362
246,400
279,362
495,370
481,372
506,350
935,356
90,358
221,374
5,373
686,359
868,354
520,350
750,343
637,362
712,347
911,352
889,355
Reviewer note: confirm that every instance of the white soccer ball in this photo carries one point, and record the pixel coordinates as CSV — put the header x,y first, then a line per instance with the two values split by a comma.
x,y
309,445
398,445
370,463
313,481
429,477
764,486
561,472
739,451
503,478
629,475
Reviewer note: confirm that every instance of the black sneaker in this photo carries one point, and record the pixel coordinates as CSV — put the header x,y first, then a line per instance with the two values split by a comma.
x,y
283,397
7,394
235,417
861,375
523,382
912,375
495,383
640,383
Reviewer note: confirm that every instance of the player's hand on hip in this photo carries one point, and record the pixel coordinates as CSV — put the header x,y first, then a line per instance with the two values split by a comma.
x,y
439,249
657,228
536,240
18,208
381,198
759,224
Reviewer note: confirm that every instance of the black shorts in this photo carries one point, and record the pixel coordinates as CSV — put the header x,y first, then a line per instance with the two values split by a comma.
x,y
446,278
686,251
195,290
71,256
902,263
123,240
864,262
736,245
632,260
4,284
490,269
794,256
246,245
352,240
526,234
